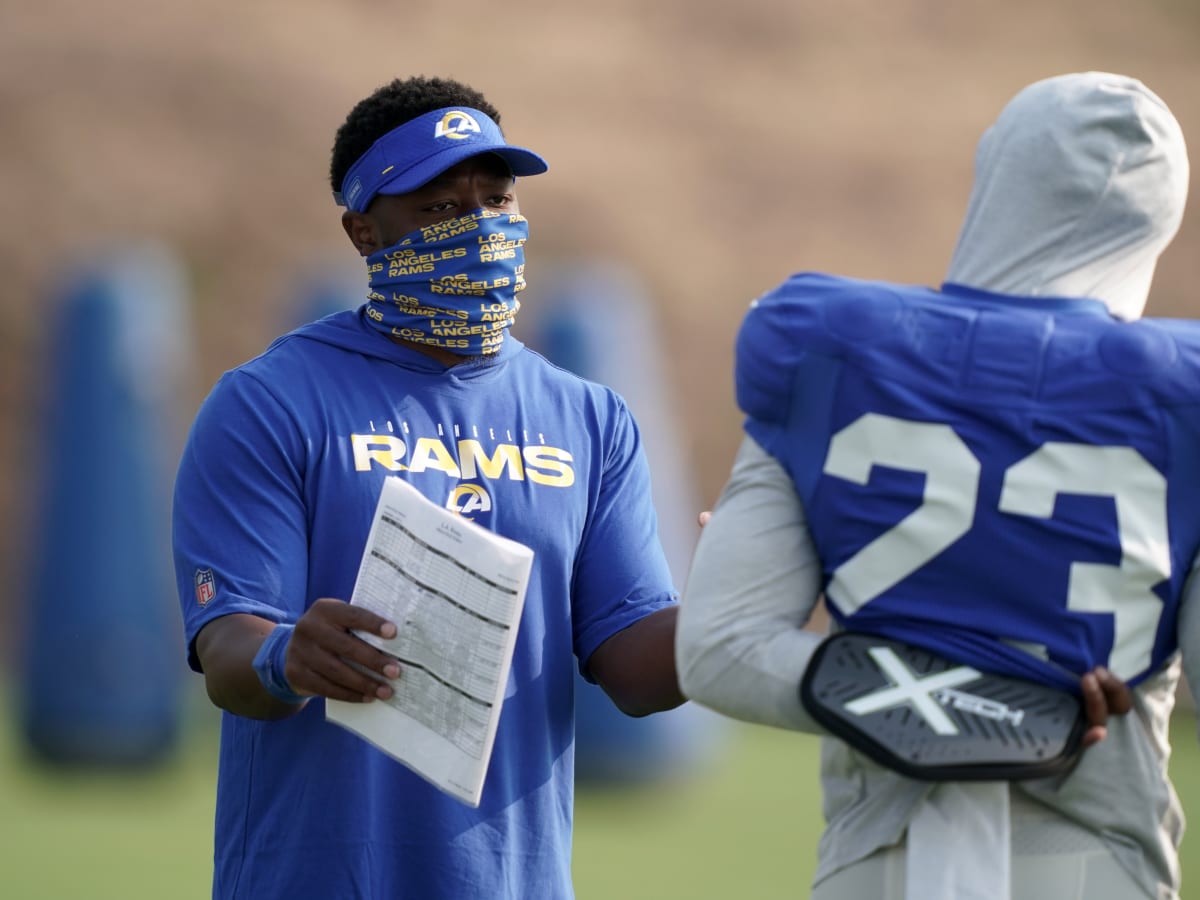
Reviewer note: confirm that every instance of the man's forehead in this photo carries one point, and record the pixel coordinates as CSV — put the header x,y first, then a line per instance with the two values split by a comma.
x,y
487,164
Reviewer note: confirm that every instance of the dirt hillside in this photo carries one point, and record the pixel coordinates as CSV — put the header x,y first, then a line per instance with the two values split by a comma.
x,y
712,147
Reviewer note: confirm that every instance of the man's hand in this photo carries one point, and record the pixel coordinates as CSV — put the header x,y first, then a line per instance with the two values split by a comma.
x,y
325,659
322,658
1104,695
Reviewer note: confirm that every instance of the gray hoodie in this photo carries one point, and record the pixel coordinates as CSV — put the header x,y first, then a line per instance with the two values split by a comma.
x,y
1079,186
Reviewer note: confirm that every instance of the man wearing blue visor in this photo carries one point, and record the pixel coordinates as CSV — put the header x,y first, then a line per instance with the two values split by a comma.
x,y
274,500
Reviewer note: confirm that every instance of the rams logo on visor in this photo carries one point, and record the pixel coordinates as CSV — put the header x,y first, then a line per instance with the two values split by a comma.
x,y
456,125
469,499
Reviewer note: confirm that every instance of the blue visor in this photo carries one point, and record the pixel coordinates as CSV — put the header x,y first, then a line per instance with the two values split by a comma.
x,y
421,149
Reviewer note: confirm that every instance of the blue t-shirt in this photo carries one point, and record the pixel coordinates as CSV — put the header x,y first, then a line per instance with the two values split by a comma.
x,y
274,499
1012,483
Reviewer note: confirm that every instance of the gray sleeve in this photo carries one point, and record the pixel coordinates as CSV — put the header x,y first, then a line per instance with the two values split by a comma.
x,y
1189,631
741,646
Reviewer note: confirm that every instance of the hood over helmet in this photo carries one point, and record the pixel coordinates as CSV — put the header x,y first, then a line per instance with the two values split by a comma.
x,y
1080,184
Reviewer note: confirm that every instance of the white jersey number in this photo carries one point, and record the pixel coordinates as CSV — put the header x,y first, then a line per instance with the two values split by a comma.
x,y
1031,488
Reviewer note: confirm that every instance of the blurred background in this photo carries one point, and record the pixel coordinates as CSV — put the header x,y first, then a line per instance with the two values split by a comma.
x,y
165,171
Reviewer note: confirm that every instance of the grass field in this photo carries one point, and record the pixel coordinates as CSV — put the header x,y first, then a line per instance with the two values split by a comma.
x,y
744,825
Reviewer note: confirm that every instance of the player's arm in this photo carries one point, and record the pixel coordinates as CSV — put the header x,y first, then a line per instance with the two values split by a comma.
x,y
636,666
1189,630
318,657
741,645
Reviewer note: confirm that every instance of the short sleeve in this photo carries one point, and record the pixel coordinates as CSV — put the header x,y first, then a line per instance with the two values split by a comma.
x,y
762,377
239,516
621,573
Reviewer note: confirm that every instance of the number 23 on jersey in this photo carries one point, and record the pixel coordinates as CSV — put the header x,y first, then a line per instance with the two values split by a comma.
x,y
947,512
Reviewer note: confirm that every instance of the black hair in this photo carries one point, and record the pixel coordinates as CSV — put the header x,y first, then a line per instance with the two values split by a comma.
x,y
389,107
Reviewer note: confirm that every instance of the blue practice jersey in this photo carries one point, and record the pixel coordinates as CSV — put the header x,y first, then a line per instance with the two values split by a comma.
x,y
274,500
1012,483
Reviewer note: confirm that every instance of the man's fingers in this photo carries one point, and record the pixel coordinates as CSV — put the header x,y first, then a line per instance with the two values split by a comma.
x,y
1095,702
324,687
1117,693
341,678
359,678
325,656
1094,735
339,614
1103,695
328,627
389,673
337,648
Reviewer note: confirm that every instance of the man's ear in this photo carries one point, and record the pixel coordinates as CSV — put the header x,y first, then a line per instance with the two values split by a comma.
x,y
363,232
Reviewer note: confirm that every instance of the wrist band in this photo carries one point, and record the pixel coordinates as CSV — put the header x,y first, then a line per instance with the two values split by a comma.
x,y
268,664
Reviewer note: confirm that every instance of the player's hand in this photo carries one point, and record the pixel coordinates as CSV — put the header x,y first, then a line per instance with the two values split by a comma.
x,y
1104,695
325,659
703,518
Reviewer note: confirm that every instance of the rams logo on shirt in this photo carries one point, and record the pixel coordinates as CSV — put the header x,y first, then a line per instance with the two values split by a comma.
x,y
469,499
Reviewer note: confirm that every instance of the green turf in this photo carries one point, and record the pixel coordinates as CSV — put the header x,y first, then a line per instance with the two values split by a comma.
x,y
743,825
748,827
67,834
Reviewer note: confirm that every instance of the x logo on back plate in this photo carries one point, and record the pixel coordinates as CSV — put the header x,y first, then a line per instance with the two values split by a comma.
x,y
908,688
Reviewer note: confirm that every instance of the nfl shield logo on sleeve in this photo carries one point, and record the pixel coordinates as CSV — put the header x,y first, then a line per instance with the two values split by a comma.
x,y
205,586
